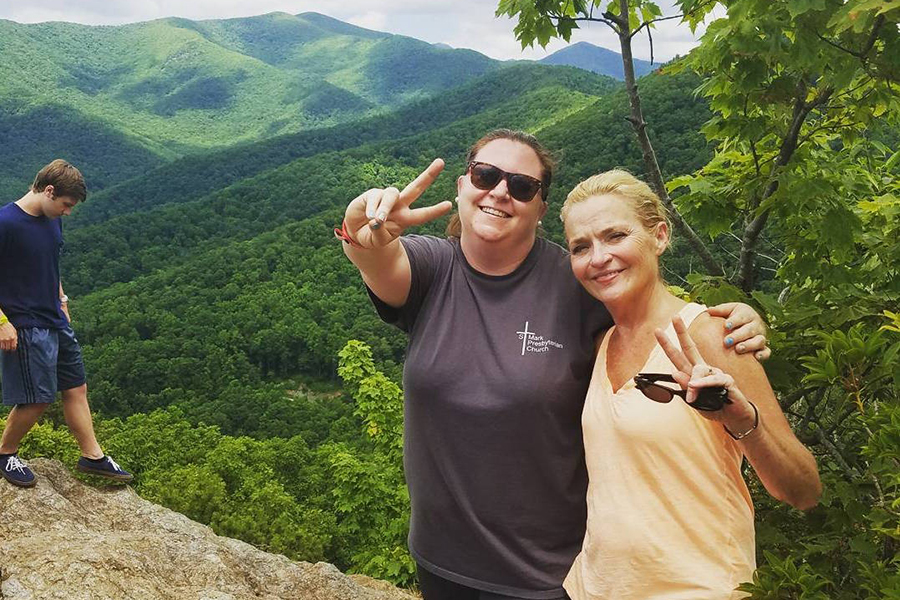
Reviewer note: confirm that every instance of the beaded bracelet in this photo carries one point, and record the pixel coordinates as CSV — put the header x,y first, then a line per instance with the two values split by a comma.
x,y
743,434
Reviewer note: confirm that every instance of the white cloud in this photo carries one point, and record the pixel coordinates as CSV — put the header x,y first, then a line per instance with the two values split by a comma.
x,y
461,23
370,20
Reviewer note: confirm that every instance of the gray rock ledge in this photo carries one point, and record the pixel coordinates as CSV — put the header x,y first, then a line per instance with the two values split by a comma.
x,y
69,541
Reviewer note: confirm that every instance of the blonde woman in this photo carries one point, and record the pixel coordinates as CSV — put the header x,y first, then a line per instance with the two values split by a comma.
x,y
669,514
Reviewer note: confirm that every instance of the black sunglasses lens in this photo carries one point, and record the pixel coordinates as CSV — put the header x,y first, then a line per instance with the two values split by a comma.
x,y
522,188
485,177
657,393
711,399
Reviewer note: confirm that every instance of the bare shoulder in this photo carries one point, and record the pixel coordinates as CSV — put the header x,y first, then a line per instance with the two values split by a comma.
x,y
708,333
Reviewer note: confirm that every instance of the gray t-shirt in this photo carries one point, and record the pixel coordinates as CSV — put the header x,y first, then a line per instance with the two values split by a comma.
x,y
494,381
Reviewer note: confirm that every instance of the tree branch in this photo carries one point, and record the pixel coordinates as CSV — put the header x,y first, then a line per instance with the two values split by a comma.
x,y
849,472
608,23
621,19
656,181
840,420
647,24
755,225
863,54
752,141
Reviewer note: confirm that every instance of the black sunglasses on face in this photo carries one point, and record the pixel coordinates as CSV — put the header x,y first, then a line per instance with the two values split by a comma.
x,y
708,399
486,177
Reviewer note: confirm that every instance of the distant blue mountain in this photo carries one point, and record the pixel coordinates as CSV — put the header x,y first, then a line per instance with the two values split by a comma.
x,y
596,59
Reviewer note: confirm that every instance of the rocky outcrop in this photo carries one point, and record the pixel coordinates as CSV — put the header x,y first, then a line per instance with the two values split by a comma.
x,y
69,541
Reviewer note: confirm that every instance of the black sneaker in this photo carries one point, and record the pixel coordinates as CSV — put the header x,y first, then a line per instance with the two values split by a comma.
x,y
15,471
104,467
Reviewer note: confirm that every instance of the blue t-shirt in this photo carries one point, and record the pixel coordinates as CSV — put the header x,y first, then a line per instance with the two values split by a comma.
x,y
29,269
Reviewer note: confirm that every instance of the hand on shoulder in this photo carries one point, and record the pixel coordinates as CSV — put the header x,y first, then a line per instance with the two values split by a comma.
x,y
745,330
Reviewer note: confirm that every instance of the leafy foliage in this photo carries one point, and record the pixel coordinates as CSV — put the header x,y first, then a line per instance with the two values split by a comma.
x,y
793,127
373,494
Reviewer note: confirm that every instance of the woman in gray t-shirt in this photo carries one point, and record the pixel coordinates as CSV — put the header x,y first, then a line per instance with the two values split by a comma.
x,y
498,363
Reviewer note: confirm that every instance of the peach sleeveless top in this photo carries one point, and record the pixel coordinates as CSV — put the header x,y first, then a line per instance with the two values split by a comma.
x,y
669,514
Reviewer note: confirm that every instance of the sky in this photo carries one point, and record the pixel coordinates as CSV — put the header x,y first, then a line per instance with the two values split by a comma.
x,y
458,23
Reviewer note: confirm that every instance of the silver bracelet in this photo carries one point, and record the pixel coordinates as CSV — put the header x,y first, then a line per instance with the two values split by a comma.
x,y
743,434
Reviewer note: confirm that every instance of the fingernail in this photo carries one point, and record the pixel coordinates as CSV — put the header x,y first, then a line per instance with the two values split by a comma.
x,y
740,348
381,217
370,214
728,341
728,325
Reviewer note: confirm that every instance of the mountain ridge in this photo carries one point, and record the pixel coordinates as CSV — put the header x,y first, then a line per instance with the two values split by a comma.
x,y
597,59
166,79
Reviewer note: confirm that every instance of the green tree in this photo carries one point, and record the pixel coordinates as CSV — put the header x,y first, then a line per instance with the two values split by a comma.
x,y
545,19
370,491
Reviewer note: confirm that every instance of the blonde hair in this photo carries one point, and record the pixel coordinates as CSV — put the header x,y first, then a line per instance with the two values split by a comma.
x,y
647,205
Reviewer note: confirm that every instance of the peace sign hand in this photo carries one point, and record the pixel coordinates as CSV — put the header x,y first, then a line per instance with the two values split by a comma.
x,y
377,217
693,374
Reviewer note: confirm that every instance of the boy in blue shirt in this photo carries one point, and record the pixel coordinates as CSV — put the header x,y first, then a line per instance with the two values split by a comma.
x,y
39,354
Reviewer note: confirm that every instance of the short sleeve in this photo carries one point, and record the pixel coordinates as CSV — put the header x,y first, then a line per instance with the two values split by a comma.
x,y
428,257
4,227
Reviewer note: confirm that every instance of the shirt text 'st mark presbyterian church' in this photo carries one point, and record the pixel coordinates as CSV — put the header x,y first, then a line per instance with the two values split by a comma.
x,y
532,342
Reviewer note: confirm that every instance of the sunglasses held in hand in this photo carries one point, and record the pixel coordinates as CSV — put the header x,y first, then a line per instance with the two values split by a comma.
x,y
486,177
708,399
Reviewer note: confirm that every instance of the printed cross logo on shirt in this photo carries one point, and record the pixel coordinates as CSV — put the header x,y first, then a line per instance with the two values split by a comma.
x,y
532,342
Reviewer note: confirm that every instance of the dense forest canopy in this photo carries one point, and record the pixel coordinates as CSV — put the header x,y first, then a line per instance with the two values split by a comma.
x,y
229,342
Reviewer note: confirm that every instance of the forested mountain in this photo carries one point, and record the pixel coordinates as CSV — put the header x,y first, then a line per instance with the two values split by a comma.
x,y
193,176
30,134
597,60
126,98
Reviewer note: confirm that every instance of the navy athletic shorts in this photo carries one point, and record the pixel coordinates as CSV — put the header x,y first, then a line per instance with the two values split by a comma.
x,y
44,362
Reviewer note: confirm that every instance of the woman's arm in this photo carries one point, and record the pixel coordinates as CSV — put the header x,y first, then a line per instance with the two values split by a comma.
x,y
385,270
786,467
373,223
